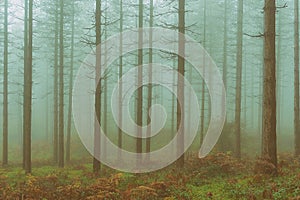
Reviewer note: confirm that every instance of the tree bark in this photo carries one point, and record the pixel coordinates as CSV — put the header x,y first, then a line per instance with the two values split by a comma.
x,y
269,93
28,95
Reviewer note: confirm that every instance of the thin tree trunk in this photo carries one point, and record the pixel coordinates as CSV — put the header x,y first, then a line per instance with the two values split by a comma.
x,y
148,140
61,88
269,100
28,96
239,64
225,42
97,142
5,88
180,87
121,86
55,85
203,82
25,67
139,144
68,144
296,71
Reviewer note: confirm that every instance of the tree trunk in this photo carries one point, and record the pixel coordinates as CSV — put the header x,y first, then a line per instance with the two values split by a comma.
x,y
296,71
239,64
5,88
148,140
225,42
68,144
180,87
55,86
61,88
28,96
269,94
139,144
25,67
121,86
202,120
97,142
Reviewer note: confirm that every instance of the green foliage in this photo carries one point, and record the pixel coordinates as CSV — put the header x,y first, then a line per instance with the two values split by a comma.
x,y
218,177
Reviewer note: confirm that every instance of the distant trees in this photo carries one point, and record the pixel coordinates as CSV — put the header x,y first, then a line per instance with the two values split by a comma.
x,y
269,150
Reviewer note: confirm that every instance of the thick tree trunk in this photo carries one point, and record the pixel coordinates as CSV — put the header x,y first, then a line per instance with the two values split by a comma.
x,y
28,96
61,88
296,71
180,87
269,100
5,88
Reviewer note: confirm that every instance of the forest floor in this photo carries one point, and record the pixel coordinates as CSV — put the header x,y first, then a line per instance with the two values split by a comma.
x,y
218,176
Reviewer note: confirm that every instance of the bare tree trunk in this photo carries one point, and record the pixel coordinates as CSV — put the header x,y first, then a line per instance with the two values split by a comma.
x,y
28,96
269,100
68,144
121,86
180,87
55,85
139,144
97,142
61,88
148,141
25,67
296,71
239,65
203,82
225,42
5,88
